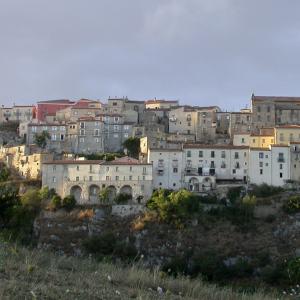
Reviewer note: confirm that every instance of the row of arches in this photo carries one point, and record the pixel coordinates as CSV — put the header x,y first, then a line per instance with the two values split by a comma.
x,y
195,185
94,191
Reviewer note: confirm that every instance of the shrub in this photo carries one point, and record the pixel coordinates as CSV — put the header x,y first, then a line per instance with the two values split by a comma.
x,y
265,190
104,244
270,218
68,202
292,205
31,199
234,193
56,201
293,270
123,198
44,193
4,173
104,196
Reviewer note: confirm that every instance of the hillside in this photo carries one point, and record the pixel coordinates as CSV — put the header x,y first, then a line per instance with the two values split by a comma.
x,y
35,274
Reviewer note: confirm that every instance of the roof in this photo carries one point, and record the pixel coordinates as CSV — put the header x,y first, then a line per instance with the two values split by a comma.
x,y
288,127
165,150
154,101
262,135
73,162
275,98
207,146
126,160
259,149
62,101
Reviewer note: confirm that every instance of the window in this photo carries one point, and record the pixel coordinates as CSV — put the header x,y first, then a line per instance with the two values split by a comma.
x,y
261,155
223,165
261,164
280,166
96,132
130,169
82,132
54,128
268,118
53,179
117,177
97,124
126,135
174,184
116,135
62,137
91,178
81,140
212,154
243,140
233,171
97,140
54,168
189,153
280,157
175,170
77,178
281,137
259,118
116,127
200,153
107,169
107,178
268,109
53,137
91,168
236,155
253,141
223,154
82,125
260,171
62,128
280,174
130,177
77,168
258,109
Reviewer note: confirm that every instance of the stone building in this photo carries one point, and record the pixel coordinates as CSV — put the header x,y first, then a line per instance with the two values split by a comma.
x,y
269,111
86,178
161,104
17,113
240,122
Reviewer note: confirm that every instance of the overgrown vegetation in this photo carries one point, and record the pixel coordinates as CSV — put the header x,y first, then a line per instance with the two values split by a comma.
x,y
43,275
108,245
132,145
4,173
102,156
292,204
265,190
41,139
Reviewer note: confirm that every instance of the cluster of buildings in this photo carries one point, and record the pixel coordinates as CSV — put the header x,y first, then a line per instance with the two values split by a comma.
x,y
181,146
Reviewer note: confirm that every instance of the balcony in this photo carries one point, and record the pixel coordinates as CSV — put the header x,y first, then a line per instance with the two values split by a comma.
x,y
280,159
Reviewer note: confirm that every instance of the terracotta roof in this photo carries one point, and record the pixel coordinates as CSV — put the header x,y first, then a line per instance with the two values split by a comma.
x,y
259,149
207,146
261,135
126,160
279,145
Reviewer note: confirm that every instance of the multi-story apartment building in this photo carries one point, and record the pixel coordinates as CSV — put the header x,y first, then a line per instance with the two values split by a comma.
x,y
271,165
167,168
285,134
253,140
240,122
85,179
270,111
17,113
50,107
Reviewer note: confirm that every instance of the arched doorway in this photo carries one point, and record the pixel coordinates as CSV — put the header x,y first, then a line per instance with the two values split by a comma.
x,y
127,190
76,191
112,193
194,184
94,192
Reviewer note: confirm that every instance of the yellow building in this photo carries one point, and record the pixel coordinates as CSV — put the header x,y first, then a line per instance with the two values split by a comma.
x,y
261,141
27,161
287,133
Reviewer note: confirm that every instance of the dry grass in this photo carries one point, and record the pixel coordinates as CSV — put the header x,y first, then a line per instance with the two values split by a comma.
x,y
140,222
34,274
86,214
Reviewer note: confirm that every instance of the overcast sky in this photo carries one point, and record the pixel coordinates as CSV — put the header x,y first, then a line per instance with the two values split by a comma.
x,y
201,52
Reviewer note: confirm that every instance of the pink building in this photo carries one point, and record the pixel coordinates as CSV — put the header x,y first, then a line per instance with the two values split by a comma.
x,y
50,107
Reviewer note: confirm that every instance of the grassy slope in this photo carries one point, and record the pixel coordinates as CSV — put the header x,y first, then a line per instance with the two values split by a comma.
x,y
34,274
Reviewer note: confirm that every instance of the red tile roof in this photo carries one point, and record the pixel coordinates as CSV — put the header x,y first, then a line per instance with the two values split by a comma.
x,y
207,146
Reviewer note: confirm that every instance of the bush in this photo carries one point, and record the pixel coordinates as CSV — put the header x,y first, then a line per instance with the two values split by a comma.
x,y
56,201
293,270
265,190
123,198
31,199
104,196
292,205
44,193
174,207
234,193
4,173
68,202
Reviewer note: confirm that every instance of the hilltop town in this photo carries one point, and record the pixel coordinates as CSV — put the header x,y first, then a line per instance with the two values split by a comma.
x,y
169,145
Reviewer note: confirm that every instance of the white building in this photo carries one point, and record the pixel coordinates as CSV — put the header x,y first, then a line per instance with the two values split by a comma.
x,y
86,178
167,168
270,166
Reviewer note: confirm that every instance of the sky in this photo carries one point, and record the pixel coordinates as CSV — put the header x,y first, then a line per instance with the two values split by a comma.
x,y
201,52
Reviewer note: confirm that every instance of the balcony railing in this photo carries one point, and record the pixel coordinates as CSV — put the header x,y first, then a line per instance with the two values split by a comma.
x,y
281,159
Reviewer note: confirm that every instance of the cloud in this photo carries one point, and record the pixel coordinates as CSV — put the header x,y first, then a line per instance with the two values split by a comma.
x,y
198,51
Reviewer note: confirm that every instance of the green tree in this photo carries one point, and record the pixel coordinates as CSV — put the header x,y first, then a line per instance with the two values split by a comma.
x,y
104,196
4,173
42,139
31,199
68,202
132,145
8,199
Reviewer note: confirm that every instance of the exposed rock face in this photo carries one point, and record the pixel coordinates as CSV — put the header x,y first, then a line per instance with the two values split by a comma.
x,y
64,232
